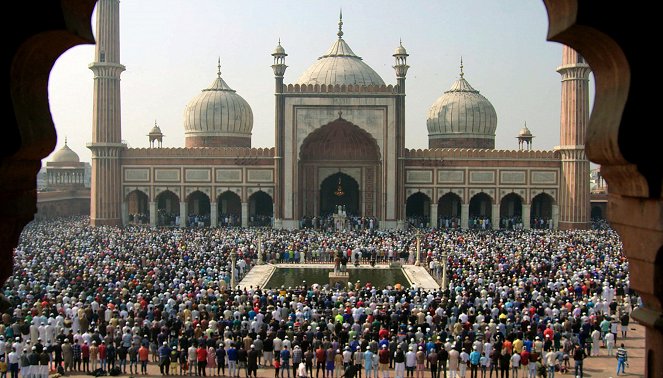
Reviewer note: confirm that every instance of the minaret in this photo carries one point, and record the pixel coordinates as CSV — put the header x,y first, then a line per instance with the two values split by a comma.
x,y
106,145
279,68
574,206
400,56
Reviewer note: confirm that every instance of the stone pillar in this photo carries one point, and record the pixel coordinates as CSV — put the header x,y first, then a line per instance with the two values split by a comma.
x,y
574,181
183,213
245,214
213,214
106,145
125,212
495,217
526,213
153,213
555,216
433,215
464,216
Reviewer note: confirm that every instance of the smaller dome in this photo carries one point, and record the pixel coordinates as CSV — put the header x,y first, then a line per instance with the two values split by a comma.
x,y
524,132
65,155
400,50
155,130
279,50
218,117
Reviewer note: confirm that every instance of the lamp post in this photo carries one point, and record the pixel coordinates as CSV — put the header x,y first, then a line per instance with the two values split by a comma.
x,y
260,262
417,263
444,270
233,260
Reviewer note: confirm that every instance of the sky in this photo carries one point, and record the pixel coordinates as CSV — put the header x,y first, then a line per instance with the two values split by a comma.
x,y
171,47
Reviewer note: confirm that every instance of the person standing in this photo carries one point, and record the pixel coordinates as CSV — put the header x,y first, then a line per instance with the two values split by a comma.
x,y
421,362
133,359
383,360
622,359
320,355
609,341
211,360
399,363
432,359
85,356
102,354
624,320
201,360
252,362
164,359
143,356
94,356
77,351
442,358
578,357
220,360
285,361
410,362
368,361
192,358
475,359
67,356
454,360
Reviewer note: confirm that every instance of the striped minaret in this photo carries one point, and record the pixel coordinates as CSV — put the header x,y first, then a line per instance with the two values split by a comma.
x,y
106,145
574,206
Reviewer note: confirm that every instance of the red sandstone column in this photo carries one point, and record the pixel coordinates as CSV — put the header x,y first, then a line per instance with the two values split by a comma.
x,y
573,199
106,145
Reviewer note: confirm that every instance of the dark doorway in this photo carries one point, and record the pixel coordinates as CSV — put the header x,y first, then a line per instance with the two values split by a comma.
x,y
138,207
339,189
597,212
481,209
511,210
417,210
168,209
261,209
448,211
199,209
541,211
230,210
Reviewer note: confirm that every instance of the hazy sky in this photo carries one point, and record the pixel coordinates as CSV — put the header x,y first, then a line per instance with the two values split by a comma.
x,y
170,49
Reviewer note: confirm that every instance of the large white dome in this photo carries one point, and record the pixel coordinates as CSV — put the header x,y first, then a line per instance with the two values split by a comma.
x,y
218,116
340,65
461,118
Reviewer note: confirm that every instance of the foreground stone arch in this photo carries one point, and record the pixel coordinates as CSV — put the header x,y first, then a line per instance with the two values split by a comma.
x,y
602,32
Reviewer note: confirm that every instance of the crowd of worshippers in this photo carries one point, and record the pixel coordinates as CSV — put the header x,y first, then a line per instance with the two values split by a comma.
x,y
102,299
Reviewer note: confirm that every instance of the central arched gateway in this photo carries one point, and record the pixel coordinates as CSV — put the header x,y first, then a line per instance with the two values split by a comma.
x,y
336,190
339,164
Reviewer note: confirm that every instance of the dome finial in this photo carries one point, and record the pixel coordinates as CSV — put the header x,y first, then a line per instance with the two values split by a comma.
x,y
340,24
218,67
65,141
461,67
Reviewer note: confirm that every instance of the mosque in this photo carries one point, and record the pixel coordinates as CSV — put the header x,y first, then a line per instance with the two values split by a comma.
x,y
339,141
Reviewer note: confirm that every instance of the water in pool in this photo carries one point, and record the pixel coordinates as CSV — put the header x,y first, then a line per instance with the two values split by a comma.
x,y
289,277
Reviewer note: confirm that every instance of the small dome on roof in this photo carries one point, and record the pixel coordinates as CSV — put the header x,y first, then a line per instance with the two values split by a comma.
x,y
279,50
524,132
400,50
65,155
218,117
461,118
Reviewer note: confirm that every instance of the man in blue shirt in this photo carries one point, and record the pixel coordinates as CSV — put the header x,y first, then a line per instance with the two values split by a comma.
x,y
475,358
285,361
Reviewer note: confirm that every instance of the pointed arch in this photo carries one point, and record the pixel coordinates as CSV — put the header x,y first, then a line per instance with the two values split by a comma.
x,y
261,209
168,208
448,210
229,209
